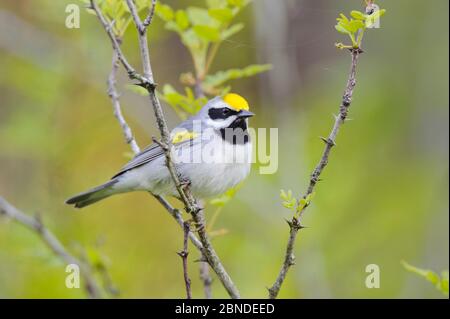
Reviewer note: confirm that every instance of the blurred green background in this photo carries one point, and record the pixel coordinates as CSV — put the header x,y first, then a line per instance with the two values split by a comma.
x,y
384,197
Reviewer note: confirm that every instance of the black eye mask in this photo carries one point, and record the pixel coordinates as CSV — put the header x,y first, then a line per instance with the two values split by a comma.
x,y
221,113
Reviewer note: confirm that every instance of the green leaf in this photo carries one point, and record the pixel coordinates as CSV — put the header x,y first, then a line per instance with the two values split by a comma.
x,y
287,200
213,4
283,195
221,14
441,284
137,89
237,3
165,12
355,25
190,39
358,15
173,26
444,282
200,16
342,29
182,19
344,18
225,198
182,104
235,28
223,76
207,33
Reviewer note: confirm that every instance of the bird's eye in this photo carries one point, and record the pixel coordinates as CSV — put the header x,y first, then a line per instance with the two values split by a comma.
x,y
225,111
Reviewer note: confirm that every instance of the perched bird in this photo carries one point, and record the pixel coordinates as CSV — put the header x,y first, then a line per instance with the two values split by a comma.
x,y
212,150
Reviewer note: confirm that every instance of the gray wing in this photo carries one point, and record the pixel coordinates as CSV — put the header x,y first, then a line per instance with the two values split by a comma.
x,y
155,151
147,155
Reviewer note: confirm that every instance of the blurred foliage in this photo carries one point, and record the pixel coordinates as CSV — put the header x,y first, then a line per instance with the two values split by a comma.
x,y
384,194
441,283
356,25
117,13
202,31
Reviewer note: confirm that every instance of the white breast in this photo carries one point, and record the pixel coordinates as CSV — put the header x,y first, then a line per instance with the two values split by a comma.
x,y
230,165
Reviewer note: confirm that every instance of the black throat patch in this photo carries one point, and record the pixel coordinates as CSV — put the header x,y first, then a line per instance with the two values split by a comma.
x,y
236,133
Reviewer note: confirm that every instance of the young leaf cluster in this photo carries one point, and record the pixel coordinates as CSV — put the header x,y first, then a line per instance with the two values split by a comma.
x,y
441,283
117,13
293,204
202,30
356,25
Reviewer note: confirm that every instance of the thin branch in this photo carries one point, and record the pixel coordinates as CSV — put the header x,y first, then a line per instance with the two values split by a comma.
x,y
132,73
295,223
212,257
150,85
206,279
151,13
289,258
182,187
176,214
112,92
36,225
184,256
339,120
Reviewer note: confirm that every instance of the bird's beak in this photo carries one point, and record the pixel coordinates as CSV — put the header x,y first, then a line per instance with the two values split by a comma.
x,y
245,114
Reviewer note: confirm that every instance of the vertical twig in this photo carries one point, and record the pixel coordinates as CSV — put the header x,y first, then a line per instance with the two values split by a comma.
x,y
206,279
114,96
184,256
289,258
295,224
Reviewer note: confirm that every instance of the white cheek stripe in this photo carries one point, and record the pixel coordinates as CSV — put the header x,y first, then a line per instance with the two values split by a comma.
x,y
221,123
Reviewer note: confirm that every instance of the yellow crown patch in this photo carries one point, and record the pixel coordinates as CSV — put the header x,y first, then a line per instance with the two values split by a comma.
x,y
236,101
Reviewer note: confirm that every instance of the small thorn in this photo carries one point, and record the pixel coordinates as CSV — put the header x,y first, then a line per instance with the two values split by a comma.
x,y
289,222
185,184
141,84
146,84
327,141
160,143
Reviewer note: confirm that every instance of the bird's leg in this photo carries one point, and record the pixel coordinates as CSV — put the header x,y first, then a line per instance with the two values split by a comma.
x,y
185,183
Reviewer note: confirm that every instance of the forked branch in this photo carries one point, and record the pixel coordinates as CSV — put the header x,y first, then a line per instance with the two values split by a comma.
x,y
147,81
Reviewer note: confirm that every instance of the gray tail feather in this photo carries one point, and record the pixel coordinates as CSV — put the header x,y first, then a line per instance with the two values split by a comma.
x,y
93,195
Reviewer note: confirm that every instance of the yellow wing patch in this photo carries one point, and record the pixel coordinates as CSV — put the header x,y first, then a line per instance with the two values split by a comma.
x,y
182,136
236,101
